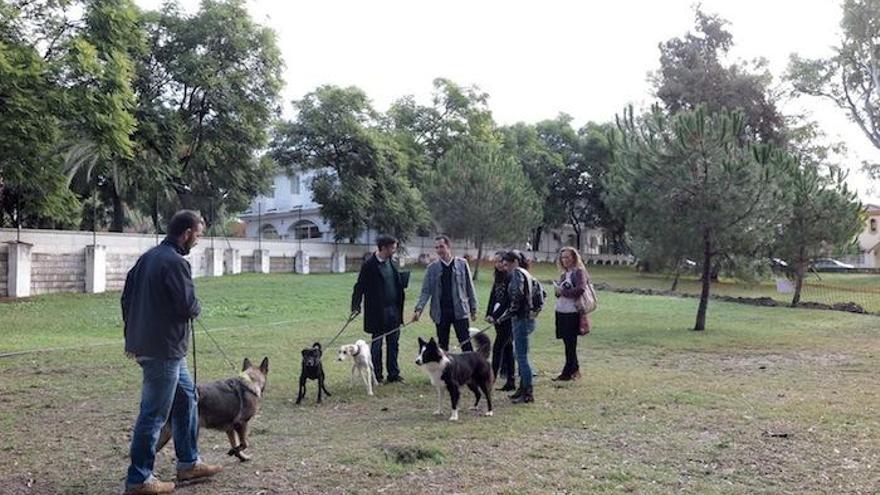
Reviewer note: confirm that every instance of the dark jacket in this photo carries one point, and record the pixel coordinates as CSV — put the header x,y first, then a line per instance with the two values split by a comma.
x,y
518,289
498,296
158,301
371,289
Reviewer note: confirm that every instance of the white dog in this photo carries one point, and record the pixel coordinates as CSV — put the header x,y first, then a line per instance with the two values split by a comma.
x,y
359,352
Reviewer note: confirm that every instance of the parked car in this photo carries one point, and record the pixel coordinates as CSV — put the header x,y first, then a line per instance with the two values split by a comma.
x,y
830,265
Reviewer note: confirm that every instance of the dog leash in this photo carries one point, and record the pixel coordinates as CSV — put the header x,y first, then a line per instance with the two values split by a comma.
x,y
192,331
460,344
350,319
205,328
402,325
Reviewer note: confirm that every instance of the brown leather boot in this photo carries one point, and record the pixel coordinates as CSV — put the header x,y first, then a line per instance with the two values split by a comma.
x,y
200,470
150,487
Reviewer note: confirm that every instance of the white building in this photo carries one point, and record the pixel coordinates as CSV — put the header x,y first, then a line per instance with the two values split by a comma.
x,y
289,212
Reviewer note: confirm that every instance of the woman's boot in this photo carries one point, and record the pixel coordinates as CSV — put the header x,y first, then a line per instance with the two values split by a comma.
x,y
519,393
525,398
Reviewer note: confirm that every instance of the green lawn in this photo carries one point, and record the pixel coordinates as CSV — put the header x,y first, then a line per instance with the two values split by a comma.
x,y
768,400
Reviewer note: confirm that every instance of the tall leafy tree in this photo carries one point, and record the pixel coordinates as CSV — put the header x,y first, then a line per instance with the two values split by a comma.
x,y
427,132
497,204
67,85
585,156
851,77
97,143
696,173
210,83
543,167
693,72
363,178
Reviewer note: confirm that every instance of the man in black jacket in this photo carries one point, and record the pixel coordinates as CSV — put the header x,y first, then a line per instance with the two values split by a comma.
x,y
158,302
381,288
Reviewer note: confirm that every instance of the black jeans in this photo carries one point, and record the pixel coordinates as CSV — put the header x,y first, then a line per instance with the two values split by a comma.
x,y
392,341
502,351
571,357
461,331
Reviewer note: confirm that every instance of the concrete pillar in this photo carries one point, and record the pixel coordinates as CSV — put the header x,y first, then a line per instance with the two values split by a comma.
x,y
233,261
195,263
302,263
214,257
96,269
337,263
19,269
261,260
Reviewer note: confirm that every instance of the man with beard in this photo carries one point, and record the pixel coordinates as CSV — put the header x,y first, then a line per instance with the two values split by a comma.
x,y
158,302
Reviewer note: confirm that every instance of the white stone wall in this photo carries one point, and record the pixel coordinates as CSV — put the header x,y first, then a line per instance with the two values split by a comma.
x,y
58,257
58,272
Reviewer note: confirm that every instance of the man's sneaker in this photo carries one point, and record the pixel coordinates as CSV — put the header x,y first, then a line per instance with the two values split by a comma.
x,y
150,487
396,379
200,470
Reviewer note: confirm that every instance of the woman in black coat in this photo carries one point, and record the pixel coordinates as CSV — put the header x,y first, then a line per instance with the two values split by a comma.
x,y
502,349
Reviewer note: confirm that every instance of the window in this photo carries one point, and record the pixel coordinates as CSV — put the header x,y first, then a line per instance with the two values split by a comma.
x,y
295,184
269,231
304,229
873,225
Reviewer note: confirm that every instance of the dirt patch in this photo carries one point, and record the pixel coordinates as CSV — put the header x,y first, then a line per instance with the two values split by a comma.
x,y
767,302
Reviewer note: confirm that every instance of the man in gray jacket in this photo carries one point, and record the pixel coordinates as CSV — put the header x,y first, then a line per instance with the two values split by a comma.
x,y
449,286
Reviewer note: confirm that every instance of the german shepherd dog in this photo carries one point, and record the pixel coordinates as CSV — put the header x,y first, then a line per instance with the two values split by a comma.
x,y
312,370
451,371
228,405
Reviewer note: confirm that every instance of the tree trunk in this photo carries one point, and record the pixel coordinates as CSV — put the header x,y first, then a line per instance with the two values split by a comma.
x,y
704,294
799,278
536,238
479,258
118,212
677,274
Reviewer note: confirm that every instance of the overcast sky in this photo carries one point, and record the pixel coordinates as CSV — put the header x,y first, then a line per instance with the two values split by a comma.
x,y
587,58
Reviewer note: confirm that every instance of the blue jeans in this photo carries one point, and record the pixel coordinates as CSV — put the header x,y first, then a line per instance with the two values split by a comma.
x,y
522,330
166,383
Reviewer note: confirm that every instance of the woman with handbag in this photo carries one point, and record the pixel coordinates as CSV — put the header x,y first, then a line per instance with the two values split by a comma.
x,y
572,319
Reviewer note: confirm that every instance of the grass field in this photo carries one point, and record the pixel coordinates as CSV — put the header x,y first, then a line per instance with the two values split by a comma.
x,y
768,400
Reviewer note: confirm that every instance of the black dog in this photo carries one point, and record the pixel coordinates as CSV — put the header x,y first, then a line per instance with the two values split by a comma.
x,y
312,370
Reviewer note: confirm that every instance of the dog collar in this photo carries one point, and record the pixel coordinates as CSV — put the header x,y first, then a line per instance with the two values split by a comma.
x,y
249,384
356,353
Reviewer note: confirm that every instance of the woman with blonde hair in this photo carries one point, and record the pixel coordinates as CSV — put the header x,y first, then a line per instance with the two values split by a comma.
x,y
571,321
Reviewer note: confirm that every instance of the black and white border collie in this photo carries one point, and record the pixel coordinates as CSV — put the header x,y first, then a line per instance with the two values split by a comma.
x,y
451,371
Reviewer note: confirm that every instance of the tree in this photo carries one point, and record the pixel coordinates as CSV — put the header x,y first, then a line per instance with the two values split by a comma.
x,y
362,178
850,78
498,203
543,168
692,74
426,133
825,214
694,180
585,158
67,84
97,141
210,84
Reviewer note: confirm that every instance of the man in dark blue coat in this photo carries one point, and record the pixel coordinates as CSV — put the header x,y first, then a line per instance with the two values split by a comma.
x,y
158,302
